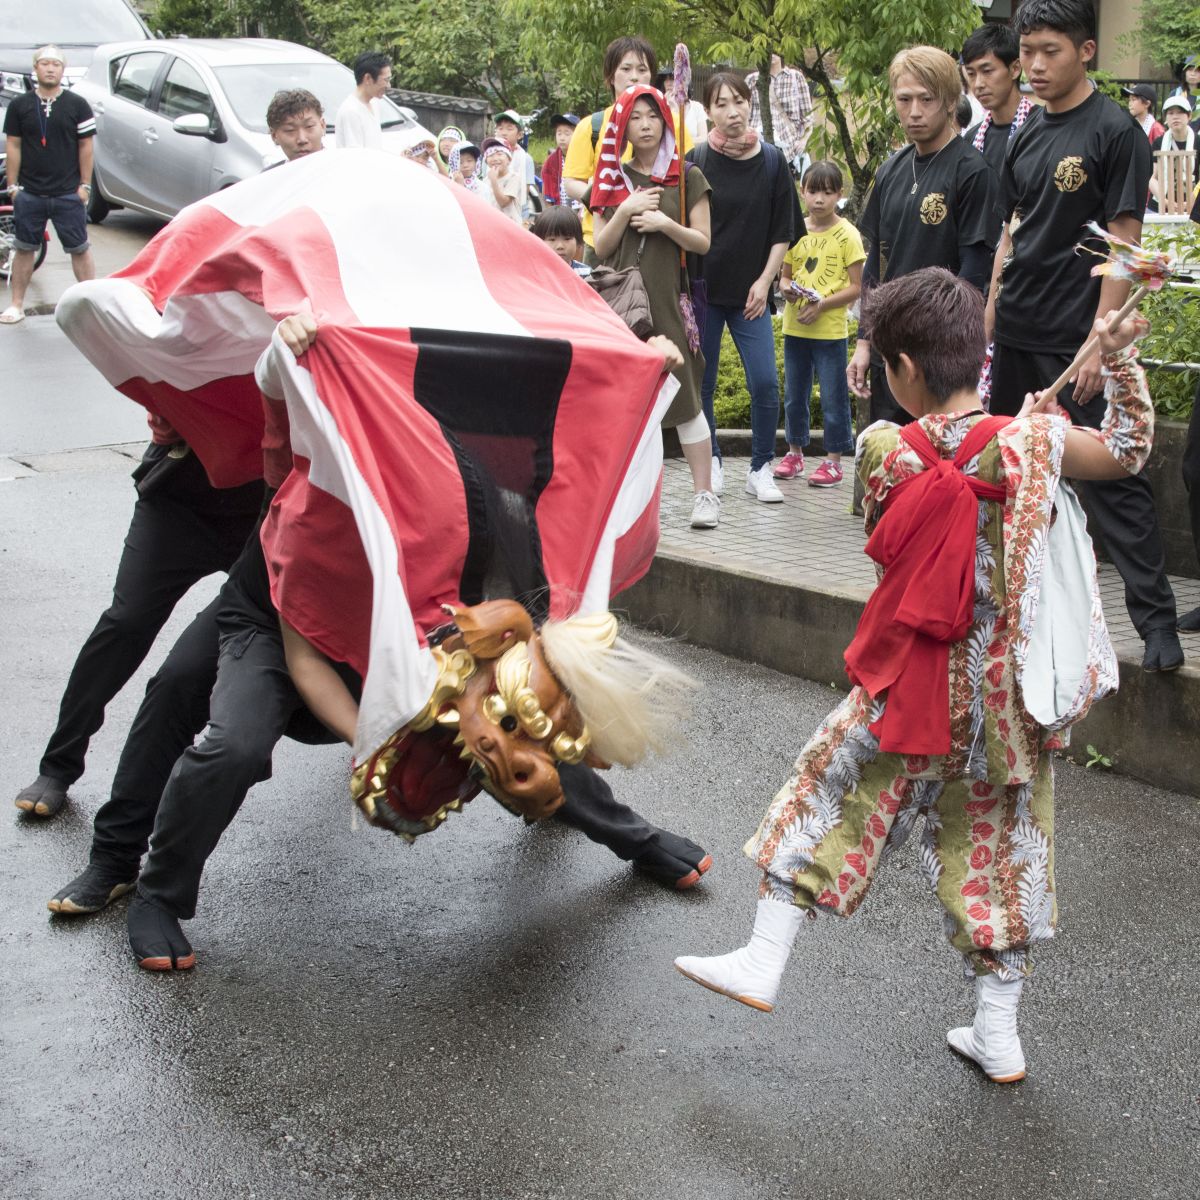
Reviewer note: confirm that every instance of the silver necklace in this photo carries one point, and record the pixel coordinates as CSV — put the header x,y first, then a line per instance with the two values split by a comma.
x,y
913,164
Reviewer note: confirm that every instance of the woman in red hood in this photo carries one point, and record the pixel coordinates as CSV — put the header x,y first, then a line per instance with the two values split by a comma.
x,y
637,224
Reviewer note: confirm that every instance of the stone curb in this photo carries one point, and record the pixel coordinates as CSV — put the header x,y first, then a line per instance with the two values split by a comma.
x,y
1149,728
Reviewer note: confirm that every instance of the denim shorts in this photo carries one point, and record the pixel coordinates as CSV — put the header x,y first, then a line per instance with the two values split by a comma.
x,y
67,213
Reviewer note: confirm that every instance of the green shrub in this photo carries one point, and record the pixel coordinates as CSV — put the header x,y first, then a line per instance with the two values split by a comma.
x,y
731,400
1174,315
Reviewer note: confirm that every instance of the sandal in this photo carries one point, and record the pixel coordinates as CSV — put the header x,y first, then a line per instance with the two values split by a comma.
x,y
12,315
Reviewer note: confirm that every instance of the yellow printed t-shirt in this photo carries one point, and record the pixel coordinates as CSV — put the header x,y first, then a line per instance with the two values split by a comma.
x,y
580,159
821,261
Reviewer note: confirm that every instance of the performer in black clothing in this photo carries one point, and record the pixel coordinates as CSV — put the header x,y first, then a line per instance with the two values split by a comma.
x,y
932,204
182,530
1076,160
237,641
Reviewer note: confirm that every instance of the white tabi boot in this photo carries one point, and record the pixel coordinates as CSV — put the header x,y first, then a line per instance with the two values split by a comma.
x,y
992,1040
751,974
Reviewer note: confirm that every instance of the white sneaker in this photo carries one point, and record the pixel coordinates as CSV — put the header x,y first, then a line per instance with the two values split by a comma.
x,y
761,485
718,476
706,511
992,1040
751,975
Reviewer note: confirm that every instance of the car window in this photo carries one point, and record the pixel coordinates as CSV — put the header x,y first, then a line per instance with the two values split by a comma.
x,y
68,23
183,92
249,88
133,76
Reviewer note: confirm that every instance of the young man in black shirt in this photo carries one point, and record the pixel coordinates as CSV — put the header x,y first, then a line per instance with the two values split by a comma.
x,y
1077,160
992,64
755,218
48,136
932,205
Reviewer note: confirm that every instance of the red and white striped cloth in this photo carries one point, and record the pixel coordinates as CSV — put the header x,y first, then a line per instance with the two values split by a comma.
x,y
449,338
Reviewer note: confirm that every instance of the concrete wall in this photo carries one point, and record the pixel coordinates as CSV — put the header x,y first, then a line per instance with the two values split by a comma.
x,y
1149,728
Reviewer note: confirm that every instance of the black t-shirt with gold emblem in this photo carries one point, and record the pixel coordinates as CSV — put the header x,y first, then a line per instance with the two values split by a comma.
x,y
924,211
1062,171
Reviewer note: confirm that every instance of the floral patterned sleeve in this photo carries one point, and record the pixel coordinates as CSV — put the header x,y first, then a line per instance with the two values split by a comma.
x,y
876,443
1128,428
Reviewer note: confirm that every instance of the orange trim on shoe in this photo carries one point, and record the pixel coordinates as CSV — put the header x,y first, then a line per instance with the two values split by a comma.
x,y
164,962
693,877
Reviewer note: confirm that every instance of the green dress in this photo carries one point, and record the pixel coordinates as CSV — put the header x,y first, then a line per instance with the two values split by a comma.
x,y
661,275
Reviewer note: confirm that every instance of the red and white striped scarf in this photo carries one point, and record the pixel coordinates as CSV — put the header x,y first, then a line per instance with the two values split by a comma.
x,y
1019,118
611,184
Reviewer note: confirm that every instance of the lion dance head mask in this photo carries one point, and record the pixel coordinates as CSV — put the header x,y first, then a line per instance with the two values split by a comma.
x,y
508,709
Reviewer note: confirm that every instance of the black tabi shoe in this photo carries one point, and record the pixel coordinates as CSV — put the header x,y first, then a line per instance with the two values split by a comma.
x,y
1190,621
156,938
1163,651
44,797
96,888
673,860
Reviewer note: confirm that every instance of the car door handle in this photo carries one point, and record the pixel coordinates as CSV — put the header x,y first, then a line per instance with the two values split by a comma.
x,y
98,108
151,135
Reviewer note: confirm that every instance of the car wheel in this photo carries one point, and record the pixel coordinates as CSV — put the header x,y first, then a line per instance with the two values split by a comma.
x,y
98,207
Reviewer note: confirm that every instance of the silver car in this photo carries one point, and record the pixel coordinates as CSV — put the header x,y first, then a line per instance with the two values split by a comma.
x,y
179,119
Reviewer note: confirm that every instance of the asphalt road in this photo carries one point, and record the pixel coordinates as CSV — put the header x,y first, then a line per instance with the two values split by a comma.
x,y
492,1012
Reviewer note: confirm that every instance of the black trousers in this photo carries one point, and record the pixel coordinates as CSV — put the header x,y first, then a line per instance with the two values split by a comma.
x,y
253,705
173,711
1191,471
1121,510
181,531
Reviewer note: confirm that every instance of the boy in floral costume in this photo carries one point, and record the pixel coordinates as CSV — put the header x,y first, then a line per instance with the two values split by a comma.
x,y
982,644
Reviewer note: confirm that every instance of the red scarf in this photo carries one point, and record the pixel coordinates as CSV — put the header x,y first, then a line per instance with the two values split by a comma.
x,y
925,542
611,184
733,147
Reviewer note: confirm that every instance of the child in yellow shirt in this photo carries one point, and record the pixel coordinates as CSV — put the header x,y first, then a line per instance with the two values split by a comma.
x,y
822,276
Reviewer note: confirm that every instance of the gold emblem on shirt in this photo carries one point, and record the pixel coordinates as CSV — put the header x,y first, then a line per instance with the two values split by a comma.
x,y
933,209
1069,175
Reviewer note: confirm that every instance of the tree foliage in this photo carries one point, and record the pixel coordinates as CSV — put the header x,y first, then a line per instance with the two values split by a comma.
x,y
522,53
460,47
1167,32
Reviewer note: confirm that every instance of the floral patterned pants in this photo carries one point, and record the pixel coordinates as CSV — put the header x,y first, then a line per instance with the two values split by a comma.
x,y
986,850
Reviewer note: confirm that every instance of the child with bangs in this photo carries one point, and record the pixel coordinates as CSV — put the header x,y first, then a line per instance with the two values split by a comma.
x,y
822,277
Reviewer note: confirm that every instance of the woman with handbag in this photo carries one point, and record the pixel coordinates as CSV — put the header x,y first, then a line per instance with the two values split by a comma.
x,y
641,225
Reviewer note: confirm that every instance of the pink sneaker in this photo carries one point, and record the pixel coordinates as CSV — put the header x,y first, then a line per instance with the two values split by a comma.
x,y
791,465
828,474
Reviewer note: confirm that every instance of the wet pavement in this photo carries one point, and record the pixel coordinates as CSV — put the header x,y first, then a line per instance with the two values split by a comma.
x,y
492,1012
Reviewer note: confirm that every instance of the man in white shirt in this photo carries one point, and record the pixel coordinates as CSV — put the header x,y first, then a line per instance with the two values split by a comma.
x,y
357,121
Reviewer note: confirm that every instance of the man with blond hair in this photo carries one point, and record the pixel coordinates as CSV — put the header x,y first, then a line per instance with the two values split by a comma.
x,y
932,204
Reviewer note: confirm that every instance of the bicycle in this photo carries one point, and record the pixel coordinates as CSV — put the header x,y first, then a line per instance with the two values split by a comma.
x,y
8,234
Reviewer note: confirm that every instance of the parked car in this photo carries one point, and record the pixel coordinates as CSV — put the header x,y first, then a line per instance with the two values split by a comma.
x,y
179,119
77,27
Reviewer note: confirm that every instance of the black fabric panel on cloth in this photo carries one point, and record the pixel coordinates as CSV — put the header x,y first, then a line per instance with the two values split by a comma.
x,y
496,399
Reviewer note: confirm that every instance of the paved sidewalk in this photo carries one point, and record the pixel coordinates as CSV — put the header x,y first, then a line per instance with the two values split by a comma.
x,y
812,540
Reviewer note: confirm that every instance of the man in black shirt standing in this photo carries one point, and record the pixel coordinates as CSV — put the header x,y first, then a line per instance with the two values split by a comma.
x,y
48,136
992,64
932,205
1077,160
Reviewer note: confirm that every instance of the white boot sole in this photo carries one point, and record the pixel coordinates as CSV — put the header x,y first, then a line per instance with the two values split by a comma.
x,y
961,1042
749,1001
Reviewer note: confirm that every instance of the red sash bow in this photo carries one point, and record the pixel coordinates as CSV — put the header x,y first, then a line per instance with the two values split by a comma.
x,y
925,542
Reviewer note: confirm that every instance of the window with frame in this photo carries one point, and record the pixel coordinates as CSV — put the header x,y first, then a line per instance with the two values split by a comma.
x,y
133,77
184,92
